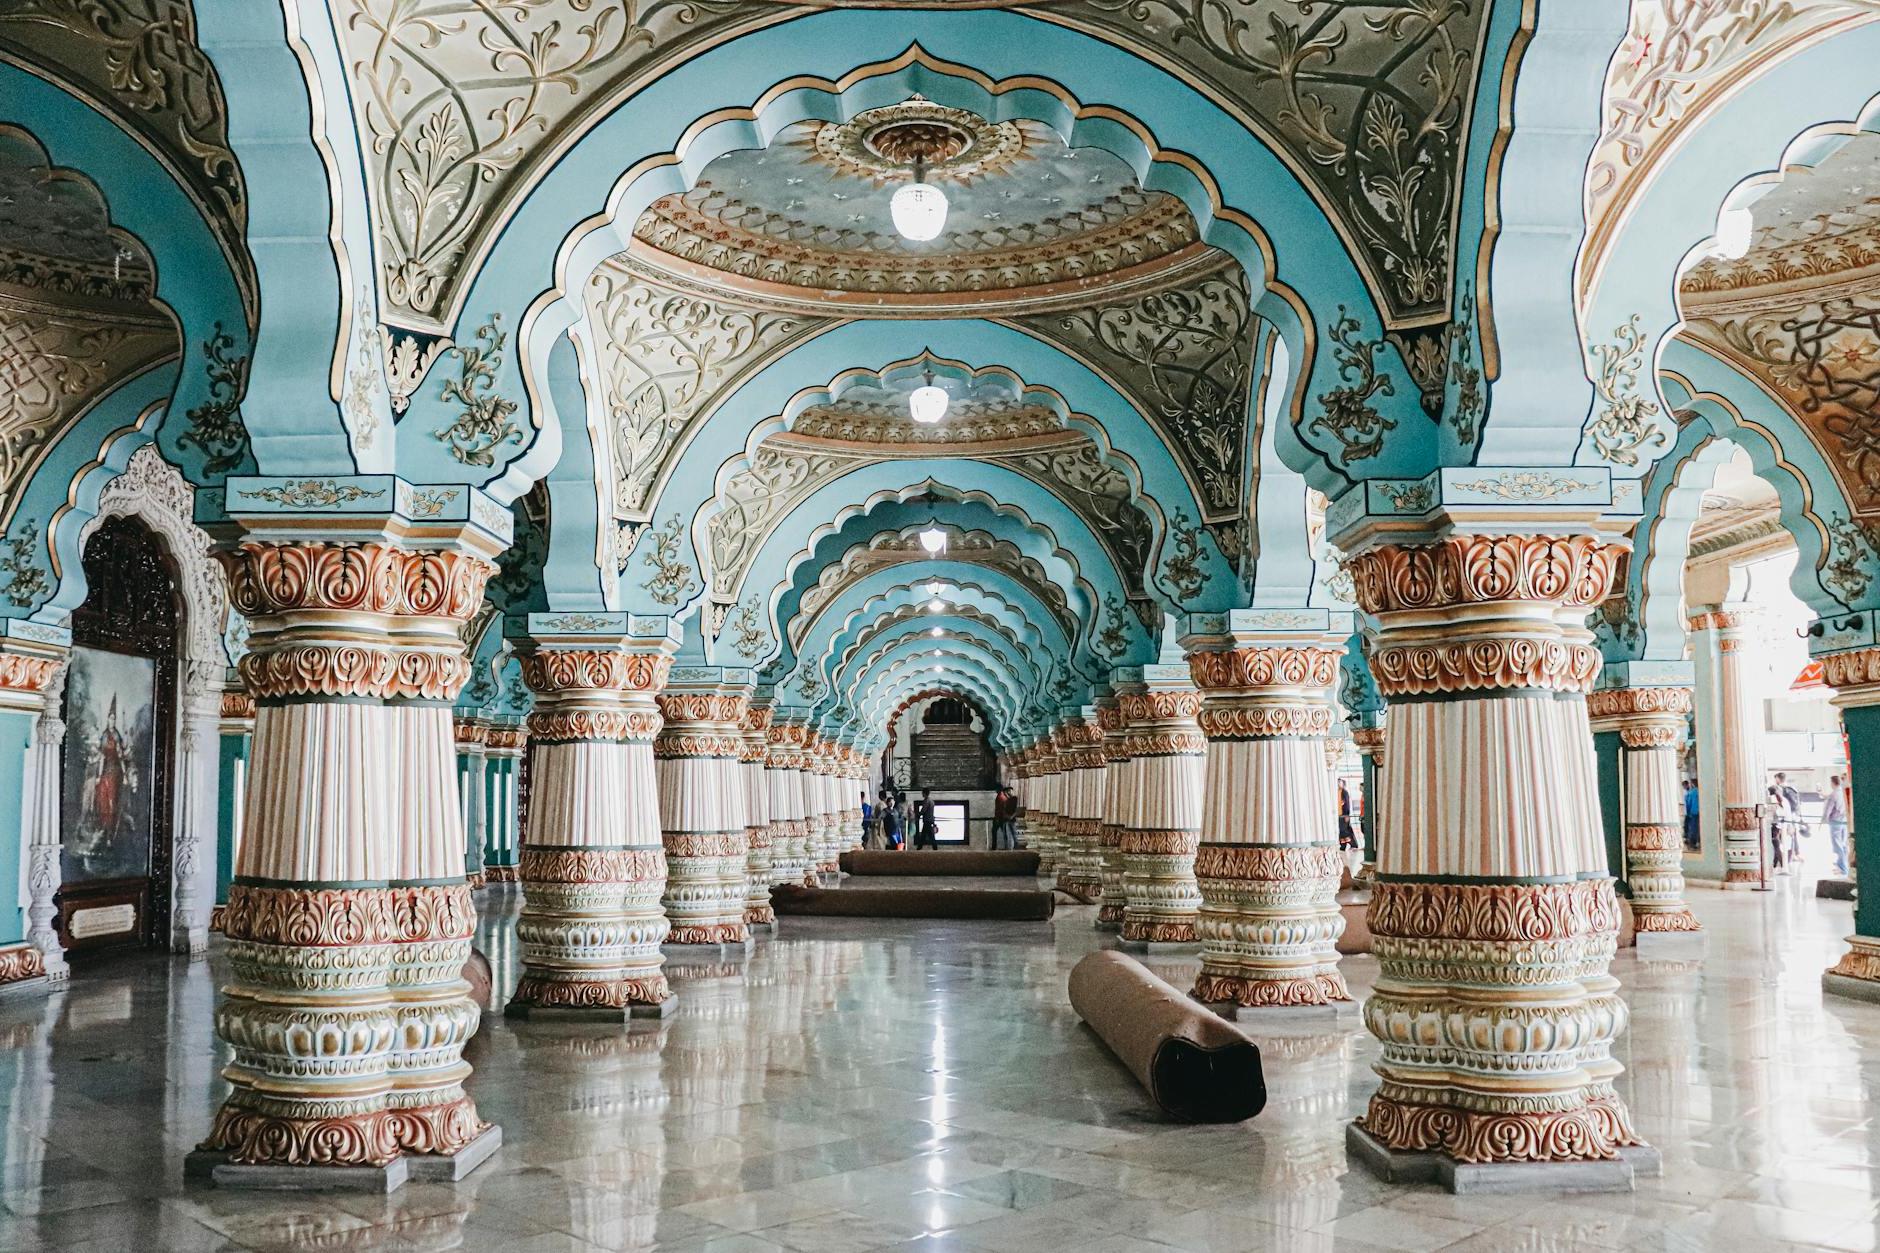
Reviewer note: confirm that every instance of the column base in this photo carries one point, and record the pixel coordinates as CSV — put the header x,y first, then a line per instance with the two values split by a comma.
x,y
452,1167
1407,1166
1172,947
1672,920
1240,990
1110,918
36,985
718,933
1179,931
1275,1015
760,916
610,1000
213,1167
1850,987
1740,880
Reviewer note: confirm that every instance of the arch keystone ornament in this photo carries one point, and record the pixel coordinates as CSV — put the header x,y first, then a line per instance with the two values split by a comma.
x,y
593,863
1267,864
1494,916
349,918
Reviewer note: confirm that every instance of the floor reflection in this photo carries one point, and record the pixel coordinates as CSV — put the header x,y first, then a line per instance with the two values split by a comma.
x,y
856,1084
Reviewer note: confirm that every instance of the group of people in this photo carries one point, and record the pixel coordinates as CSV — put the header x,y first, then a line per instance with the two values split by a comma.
x,y
887,821
1787,825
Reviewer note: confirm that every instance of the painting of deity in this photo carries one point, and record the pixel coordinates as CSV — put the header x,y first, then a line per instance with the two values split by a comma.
x,y
110,765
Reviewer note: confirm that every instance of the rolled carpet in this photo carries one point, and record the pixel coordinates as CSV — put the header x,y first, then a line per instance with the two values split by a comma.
x,y
934,862
1194,1064
788,899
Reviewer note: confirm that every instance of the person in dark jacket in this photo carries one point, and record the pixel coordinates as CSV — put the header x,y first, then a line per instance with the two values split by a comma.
x,y
1004,819
926,826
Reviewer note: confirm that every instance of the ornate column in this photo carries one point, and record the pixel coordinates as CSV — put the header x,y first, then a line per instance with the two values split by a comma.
x,y
789,821
701,809
198,768
473,775
1118,800
1080,861
504,746
855,781
1649,722
754,777
1268,863
1731,628
1050,789
235,731
349,919
815,806
593,864
32,685
1855,678
1369,742
1493,915
1162,830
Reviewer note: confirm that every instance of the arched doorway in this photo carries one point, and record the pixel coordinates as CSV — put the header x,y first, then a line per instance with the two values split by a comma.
x,y
118,805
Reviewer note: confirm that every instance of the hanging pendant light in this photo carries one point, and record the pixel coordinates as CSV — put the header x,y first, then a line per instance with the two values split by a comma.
x,y
934,589
934,541
1735,231
928,403
919,209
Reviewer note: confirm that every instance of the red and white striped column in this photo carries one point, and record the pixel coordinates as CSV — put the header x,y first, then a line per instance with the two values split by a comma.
x,y
698,760
754,773
1728,630
1118,800
1162,828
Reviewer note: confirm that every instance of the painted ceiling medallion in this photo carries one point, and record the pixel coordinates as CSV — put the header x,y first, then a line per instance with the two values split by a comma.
x,y
882,143
1030,223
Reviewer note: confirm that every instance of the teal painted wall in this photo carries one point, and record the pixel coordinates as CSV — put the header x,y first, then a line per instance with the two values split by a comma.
x,y
1608,753
231,781
1863,749
16,735
500,795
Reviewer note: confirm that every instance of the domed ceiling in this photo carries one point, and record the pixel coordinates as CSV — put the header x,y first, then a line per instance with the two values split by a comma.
x,y
76,309
1033,224
1798,310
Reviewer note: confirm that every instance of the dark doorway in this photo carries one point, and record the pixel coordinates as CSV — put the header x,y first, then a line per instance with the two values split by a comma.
x,y
120,720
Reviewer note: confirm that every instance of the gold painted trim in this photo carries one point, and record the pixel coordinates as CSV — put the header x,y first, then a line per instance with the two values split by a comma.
x,y
1603,235
1491,190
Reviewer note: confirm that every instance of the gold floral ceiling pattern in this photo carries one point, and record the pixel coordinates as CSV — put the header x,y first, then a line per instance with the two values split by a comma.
x,y
463,106
1800,311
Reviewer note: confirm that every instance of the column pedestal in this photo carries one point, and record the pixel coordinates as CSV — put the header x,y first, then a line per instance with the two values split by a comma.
x,y
754,771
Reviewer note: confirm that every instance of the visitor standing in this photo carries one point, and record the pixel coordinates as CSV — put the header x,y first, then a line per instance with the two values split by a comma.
x,y
1004,819
1693,837
1834,813
926,826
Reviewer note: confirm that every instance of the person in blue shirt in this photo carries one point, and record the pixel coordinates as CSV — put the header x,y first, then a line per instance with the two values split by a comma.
x,y
1692,839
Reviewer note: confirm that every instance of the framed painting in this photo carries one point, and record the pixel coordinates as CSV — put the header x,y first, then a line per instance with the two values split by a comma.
x,y
110,766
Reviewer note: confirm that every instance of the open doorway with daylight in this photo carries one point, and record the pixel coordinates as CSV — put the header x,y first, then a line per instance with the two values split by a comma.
x,y
118,771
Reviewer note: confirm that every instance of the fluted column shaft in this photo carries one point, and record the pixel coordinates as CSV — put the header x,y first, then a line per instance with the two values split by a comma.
x,y
1049,783
1268,862
505,746
349,919
1080,860
38,682
754,771
593,865
789,815
697,759
1732,631
1162,828
1118,799
1650,724
1493,916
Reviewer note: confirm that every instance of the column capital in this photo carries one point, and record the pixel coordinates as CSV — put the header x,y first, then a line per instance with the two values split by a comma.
x,y
29,672
1645,717
359,508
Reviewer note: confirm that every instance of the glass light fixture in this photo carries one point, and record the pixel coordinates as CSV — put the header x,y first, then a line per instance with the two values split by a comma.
x,y
934,589
934,541
928,404
1735,230
936,605
937,631
919,209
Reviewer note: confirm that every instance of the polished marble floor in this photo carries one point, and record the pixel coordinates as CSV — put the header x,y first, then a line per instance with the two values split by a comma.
x,y
859,1085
